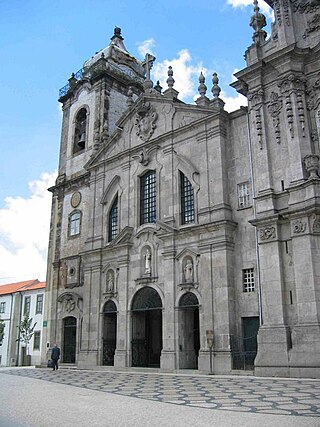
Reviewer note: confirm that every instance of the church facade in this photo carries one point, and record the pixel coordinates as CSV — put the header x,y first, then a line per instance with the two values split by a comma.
x,y
183,236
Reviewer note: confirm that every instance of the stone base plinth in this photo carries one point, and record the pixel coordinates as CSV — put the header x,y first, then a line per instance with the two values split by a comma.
x,y
168,360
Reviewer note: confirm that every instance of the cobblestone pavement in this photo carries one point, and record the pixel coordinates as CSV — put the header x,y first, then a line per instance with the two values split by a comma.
x,y
300,397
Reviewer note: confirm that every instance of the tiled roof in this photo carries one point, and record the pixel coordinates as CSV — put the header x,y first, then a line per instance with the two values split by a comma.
x,y
27,285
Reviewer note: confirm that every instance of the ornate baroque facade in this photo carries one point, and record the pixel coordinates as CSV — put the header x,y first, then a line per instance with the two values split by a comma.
x,y
180,232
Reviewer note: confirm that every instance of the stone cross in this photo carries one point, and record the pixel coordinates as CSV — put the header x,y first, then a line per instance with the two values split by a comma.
x,y
147,64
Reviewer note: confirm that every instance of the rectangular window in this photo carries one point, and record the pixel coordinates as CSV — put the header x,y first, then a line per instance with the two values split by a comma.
x,y
187,200
26,311
148,198
39,304
2,307
36,340
243,195
248,280
74,223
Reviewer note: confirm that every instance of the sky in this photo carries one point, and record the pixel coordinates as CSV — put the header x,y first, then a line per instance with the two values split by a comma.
x,y
44,41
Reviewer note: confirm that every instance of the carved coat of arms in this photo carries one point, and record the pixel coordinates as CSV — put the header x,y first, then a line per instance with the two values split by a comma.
x,y
145,121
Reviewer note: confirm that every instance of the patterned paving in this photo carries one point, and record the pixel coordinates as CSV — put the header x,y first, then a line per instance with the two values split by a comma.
x,y
259,395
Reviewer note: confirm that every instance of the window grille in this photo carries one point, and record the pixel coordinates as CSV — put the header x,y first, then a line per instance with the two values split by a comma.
x,y
148,198
248,280
113,220
74,223
187,200
243,195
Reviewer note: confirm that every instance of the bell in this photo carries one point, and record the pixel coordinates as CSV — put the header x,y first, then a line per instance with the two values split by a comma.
x,y
82,141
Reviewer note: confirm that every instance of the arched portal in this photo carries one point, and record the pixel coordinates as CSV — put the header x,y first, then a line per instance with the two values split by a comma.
x,y
109,333
189,332
69,339
146,328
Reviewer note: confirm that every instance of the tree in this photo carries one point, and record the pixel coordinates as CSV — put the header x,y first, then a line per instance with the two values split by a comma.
x,y
26,331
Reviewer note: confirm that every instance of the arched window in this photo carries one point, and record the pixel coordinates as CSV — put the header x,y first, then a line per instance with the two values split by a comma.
x,y
148,195
186,200
113,221
80,131
74,223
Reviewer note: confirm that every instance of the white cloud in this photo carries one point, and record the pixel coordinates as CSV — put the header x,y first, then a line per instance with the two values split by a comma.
x,y
264,8
233,103
24,233
146,47
185,74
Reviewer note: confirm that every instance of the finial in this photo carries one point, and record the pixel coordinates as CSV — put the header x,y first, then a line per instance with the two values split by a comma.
x,y
215,88
202,87
170,79
157,87
130,99
257,22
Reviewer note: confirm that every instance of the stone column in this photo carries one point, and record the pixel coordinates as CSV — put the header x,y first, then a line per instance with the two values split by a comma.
x,y
272,356
304,356
121,357
169,314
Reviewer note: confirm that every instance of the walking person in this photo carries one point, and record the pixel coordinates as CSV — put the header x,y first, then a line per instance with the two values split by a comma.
x,y
55,356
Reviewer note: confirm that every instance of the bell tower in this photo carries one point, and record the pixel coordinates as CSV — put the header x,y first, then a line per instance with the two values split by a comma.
x,y
282,84
92,101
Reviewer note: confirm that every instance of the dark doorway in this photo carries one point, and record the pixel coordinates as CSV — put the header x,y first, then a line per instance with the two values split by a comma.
x,y
189,331
250,327
69,340
109,333
146,328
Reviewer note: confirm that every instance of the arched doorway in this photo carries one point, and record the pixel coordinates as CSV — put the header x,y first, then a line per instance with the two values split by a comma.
x,y
189,332
69,340
109,333
146,328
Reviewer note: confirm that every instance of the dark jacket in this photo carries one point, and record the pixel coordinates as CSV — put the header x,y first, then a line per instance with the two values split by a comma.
x,y
55,354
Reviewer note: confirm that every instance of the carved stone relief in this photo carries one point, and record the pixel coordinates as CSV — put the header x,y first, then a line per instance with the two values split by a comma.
x,y
299,226
305,6
267,233
313,25
255,102
145,121
70,302
315,220
311,162
274,109
75,199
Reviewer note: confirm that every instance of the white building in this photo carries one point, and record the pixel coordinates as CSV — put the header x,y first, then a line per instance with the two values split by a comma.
x,y
16,300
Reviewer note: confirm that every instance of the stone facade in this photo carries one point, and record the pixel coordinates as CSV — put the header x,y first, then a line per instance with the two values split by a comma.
x,y
172,222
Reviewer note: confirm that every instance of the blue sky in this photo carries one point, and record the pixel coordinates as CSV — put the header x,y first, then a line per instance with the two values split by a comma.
x,y
44,41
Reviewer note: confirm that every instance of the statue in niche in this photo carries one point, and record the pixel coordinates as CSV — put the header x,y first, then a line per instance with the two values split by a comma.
x,y
110,281
147,262
188,272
